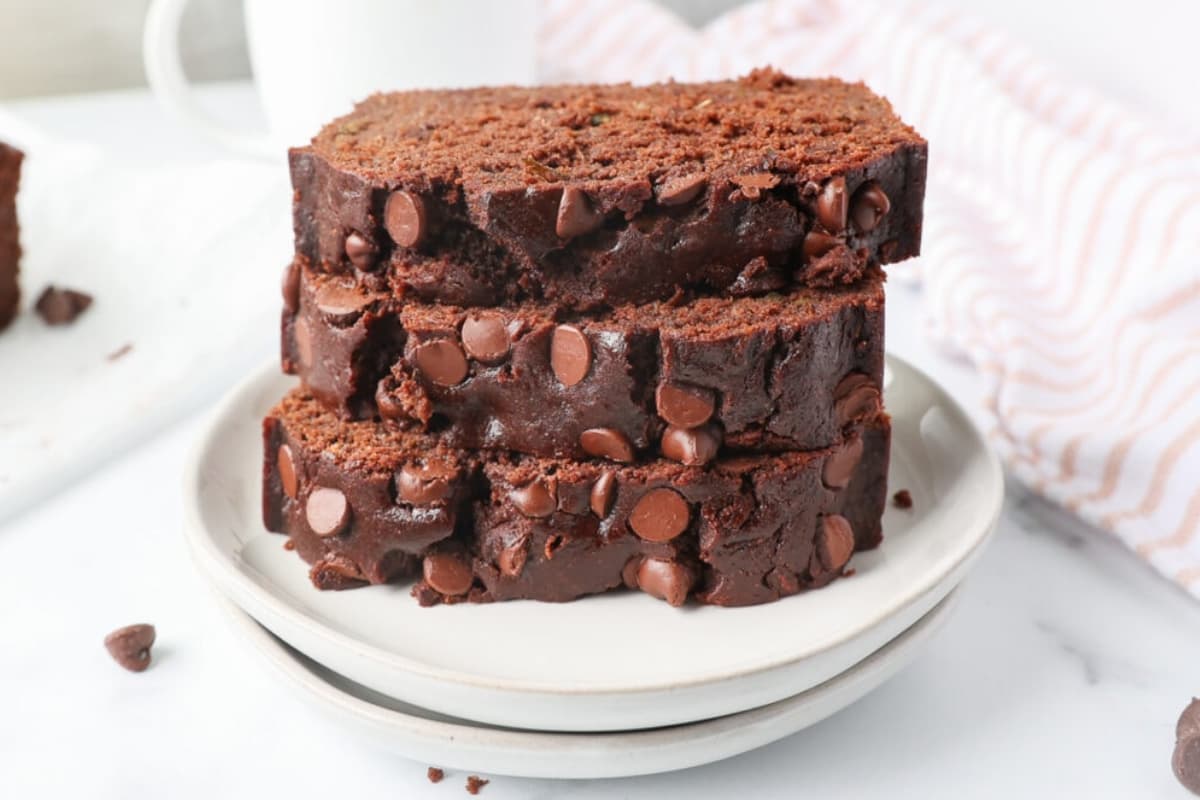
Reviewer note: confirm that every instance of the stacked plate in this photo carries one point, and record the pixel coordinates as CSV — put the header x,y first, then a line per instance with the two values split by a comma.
x,y
548,690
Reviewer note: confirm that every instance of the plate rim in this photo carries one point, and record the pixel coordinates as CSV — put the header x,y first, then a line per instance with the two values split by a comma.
x,y
220,568
874,670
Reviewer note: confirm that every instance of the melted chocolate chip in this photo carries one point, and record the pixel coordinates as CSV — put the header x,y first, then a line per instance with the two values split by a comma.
x,y
511,560
680,191
684,405
485,338
404,218
603,493
840,464
835,542
336,572
291,287
856,399
869,206
537,499
831,205
286,465
130,646
570,354
442,361
692,446
817,244
660,515
360,251
576,215
425,484
447,573
606,443
665,580
327,511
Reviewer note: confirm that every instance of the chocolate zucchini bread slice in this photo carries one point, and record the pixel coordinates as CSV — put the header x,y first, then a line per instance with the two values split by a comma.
x,y
367,503
597,196
785,371
10,246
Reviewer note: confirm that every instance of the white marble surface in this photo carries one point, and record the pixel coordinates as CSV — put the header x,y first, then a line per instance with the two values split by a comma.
x,y
1061,675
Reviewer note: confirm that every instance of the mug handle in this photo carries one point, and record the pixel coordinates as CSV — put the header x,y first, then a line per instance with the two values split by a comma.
x,y
164,71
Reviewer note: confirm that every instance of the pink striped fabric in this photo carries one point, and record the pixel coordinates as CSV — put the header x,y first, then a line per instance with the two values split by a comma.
x,y
1062,239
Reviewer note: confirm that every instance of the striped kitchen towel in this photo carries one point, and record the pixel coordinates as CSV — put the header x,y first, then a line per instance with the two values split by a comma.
x,y
1062,236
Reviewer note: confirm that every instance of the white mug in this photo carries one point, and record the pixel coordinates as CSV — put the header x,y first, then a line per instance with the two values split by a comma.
x,y
313,59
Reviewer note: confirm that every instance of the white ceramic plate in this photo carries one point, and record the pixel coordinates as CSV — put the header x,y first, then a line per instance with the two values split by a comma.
x,y
435,739
615,662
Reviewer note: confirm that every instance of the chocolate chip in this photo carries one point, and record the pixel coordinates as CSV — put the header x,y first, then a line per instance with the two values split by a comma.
x,y
512,558
61,306
576,215
435,775
679,191
869,206
831,205
447,573
685,405
840,464
340,302
475,783
425,484
629,572
360,251
606,443
485,338
130,646
817,244
835,542
660,515
404,218
442,361
335,573
603,492
903,499
287,471
665,580
1185,760
753,185
536,499
291,287
327,511
570,354
302,336
856,399
692,446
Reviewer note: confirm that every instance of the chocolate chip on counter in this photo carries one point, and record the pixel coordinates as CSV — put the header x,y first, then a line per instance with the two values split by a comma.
x,y
603,493
665,580
287,471
291,287
817,244
570,354
335,573
404,218
606,443
660,515
869,206
835,542
680,191
424,484
475,784
536,499
856,399
831,205
61,306
442,361
327,511
485,338
840,464
512,558
693,447
130,646
435,774
1185,760
360,251
684,405
302,337
447,573
576,215
903,499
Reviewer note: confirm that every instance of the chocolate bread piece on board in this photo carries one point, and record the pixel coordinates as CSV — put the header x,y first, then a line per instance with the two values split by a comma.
x,y
595,196
783,371
10,246
366,503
